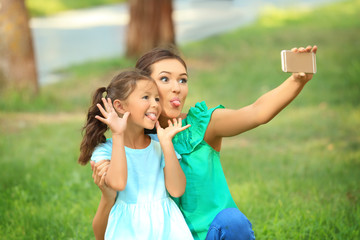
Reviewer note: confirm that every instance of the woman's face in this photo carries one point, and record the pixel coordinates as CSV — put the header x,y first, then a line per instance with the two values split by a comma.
x,y
171,79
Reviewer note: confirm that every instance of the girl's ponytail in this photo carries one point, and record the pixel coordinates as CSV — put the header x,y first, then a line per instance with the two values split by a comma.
x,y
120,87
94,129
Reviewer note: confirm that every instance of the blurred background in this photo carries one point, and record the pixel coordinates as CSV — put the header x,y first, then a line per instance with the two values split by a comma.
x,y
294,178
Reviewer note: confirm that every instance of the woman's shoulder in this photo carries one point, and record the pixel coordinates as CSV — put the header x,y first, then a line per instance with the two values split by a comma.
x,y
198,117
201,112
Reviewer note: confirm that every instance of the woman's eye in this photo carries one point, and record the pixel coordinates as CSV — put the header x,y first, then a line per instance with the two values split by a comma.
x,y
183,80
164,79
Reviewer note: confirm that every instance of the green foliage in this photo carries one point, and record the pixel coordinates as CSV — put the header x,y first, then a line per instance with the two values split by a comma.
x,y
294,178
39,8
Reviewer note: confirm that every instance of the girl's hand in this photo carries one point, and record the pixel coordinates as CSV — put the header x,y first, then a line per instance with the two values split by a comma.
x,y
116,124
167,134
99,172
304,77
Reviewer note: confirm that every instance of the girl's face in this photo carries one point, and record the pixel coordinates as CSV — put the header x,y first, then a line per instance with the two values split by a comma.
x,y
143,104
171,79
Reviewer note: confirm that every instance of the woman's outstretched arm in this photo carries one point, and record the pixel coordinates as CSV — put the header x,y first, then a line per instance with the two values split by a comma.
x,y
107,199
228,122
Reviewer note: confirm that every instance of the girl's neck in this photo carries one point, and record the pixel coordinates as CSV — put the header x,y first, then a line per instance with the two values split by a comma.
x,y
136,139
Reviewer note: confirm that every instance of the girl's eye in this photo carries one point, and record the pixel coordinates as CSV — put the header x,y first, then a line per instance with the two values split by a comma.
x,y
183,80
157,99
164,79
145,97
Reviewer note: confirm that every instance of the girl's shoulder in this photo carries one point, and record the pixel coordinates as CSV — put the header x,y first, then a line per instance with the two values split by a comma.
x,y
102,151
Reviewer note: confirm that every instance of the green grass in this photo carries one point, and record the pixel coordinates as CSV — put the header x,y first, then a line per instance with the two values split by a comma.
x,y
296,177
39,8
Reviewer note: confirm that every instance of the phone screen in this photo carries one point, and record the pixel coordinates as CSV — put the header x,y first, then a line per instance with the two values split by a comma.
x,y
298,62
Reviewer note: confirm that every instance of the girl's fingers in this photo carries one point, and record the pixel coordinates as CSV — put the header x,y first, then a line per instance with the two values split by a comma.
x,y
175,122
170,123
126,115
100,119
105,104
184,127
294,49
103,112
179,122
110,104
157,125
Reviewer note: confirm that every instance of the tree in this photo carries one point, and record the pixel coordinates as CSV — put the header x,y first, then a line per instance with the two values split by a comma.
x,y
17,61
150,25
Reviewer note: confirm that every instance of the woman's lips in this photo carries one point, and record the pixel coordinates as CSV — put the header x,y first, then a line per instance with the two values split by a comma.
x,y
175,102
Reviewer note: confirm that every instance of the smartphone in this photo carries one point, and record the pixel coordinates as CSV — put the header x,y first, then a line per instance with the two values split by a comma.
x,y
294,62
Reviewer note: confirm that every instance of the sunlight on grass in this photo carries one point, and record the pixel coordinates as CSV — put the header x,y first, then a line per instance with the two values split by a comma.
x,y
296,177
50,7
276,17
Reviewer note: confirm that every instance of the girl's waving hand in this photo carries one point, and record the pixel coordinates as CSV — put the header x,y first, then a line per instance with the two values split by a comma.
x,y
111,118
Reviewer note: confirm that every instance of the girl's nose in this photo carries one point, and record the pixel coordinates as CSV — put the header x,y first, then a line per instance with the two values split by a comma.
x,y
154,103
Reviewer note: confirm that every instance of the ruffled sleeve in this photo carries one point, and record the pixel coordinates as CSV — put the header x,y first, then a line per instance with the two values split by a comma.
x,y
199,118
102,151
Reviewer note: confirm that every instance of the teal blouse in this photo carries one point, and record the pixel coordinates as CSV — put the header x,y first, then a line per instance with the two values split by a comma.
x,y
207,192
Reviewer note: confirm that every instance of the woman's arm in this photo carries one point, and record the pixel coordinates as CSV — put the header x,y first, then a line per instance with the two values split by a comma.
x,y
175,180
227,122
101,217
107,198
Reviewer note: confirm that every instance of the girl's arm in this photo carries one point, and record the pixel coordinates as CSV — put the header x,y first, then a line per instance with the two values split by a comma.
x,y
116,176
107,198
227,122
175,180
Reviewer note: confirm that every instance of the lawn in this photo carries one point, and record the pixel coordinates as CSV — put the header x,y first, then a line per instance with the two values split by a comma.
x,y
296,177
38,8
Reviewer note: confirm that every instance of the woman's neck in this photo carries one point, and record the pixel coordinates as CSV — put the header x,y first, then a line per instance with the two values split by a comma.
x,y
163,120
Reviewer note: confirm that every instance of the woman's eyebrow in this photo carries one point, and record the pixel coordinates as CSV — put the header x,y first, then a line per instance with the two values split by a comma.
x,y
166,72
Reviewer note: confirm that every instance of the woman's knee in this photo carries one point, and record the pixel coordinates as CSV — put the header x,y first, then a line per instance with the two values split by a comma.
x,y
230,223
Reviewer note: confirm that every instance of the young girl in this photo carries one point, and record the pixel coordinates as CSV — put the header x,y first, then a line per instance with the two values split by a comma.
x,y
140,171
207,204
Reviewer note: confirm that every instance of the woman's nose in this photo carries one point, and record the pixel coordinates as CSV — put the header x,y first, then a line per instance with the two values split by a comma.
x,y
175,87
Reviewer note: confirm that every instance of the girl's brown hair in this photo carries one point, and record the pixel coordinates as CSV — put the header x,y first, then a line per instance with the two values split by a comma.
x,y
145,62
120,87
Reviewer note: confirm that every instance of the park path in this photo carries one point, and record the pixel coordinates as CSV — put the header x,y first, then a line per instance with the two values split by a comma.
x,y
84,35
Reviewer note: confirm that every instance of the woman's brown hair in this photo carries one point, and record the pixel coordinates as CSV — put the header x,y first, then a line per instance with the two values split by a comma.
x,y
145,62
120,87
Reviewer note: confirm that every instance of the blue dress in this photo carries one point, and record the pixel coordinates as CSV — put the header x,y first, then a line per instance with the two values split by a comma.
x,y
144,209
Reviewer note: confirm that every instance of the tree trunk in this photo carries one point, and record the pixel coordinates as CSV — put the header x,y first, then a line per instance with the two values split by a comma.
x,y
150,25
17,61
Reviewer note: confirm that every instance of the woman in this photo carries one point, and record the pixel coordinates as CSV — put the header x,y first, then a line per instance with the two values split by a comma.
x,y
207,205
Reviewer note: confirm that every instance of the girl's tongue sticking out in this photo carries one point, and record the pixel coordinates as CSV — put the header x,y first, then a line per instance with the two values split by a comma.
x,y
152,116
